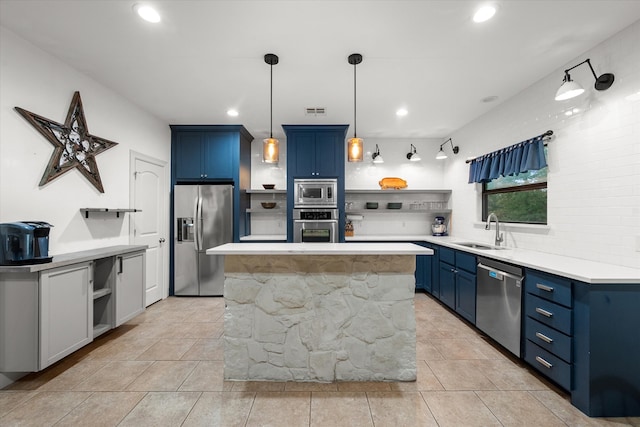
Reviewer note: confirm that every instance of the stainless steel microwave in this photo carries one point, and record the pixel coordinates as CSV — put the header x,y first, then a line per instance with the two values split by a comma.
x,y
315,192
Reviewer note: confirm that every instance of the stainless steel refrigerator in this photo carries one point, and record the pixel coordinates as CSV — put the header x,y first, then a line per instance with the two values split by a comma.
x,y
204,219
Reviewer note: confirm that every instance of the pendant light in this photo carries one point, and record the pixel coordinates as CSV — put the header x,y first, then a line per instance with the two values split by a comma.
x,y
355,145
270,146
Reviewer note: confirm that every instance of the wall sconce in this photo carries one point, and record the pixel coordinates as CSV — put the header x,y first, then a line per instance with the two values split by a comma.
x,y
355,144
413,155
442,155
376,157
570,89
270,146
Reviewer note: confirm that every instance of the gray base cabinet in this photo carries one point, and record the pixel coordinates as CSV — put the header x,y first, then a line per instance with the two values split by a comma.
x,y
48,312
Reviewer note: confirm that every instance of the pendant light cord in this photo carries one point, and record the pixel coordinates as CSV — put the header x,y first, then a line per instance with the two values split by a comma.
x,y
355,120
271,102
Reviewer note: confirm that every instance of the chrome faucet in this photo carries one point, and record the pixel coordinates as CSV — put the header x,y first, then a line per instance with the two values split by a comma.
x,y
499,238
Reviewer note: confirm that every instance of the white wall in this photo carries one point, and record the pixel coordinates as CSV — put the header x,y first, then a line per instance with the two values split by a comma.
x,y
426,174
36,81
594,159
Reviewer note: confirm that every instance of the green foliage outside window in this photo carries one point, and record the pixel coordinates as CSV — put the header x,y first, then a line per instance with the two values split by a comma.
x,y
519,198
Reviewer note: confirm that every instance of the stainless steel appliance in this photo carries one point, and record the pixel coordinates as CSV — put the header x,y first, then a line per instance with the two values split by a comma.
x,y
439,227
499,302
315,193
315,225
204,219
25,242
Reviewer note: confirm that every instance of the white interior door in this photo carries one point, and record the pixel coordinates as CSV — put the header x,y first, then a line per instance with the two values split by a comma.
x,y
150,227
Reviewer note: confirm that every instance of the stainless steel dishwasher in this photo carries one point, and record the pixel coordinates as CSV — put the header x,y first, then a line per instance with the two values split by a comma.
x,y
499,302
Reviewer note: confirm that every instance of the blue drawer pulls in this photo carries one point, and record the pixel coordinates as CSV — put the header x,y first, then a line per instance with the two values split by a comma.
x,y
544,338
544,312
543,362
544,287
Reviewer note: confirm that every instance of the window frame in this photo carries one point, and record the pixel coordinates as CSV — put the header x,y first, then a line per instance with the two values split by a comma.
x,y
513,189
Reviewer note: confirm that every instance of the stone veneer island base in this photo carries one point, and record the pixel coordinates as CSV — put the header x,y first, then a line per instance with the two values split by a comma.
x,y
306,316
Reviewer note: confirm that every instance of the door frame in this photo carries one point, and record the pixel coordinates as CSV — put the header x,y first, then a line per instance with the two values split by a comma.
x,y
164,214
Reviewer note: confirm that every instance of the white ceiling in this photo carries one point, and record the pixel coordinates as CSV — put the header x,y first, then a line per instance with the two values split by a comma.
x,y
427,56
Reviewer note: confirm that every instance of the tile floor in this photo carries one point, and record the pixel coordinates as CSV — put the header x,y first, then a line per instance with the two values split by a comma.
x,y
164,368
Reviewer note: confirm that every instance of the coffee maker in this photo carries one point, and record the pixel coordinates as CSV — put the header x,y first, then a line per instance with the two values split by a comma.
x,y
25,242
439,228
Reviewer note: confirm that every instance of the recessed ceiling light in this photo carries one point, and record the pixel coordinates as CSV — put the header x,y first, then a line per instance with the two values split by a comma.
x,y
147,13
402,112
232,113
484,13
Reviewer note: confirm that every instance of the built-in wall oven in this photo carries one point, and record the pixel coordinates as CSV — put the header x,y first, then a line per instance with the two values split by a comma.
x,y
319,225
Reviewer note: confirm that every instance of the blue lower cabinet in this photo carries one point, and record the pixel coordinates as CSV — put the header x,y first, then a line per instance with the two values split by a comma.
x,y
457,281
447,284
466,295
548,364
424,267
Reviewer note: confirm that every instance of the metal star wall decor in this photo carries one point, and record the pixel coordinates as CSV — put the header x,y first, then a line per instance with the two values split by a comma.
x,y
74,146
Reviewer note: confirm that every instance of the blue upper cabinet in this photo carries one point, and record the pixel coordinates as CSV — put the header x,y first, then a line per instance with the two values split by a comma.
x,y
315,151
208,152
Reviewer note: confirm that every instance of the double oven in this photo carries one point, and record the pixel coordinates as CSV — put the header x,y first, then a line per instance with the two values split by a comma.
x,y
315,210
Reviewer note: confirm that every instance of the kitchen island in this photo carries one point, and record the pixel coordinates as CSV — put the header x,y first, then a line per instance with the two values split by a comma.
x,y
319,311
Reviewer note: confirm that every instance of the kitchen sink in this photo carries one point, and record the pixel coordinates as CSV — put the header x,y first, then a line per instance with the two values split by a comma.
x,y
479,246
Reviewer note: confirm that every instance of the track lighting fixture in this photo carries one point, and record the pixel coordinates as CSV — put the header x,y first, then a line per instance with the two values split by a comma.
x,y
570,89
413,155
270,146
376,157
442,155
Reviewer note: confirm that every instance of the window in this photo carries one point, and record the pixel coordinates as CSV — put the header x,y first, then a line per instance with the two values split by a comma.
x,y
518,198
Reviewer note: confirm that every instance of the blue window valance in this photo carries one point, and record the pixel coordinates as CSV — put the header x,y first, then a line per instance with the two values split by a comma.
x,y
521,157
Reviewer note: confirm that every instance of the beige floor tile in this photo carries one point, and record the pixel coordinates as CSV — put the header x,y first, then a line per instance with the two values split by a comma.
x,y
74,375
44,409
347,386
115,376
203,315
426,380
519,408
228,409
507,375
161,409
560,405
425,350
206,376
491,349
340,409
36,380
256,386
286,408
167,349
460,375
206,349
122,349
9,400
102,409
452,349
163,375
459,408
399,409
294,386
202,330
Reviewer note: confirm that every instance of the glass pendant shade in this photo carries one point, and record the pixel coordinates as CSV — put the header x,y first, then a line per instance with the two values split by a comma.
x,y
355,149
569,89
441,155
270,150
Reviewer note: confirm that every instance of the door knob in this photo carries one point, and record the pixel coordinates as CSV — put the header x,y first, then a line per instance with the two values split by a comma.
x,y
161,240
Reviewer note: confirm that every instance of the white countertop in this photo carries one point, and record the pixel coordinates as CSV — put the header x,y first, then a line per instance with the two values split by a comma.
x,y
319,249
575,268
263,237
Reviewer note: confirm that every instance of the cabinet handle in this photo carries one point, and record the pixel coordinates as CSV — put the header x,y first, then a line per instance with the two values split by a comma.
x,y
544,338
543,362
544,312
119,265
544,287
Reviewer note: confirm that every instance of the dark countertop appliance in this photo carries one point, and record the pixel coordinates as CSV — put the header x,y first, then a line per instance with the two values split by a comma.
x,y
25,242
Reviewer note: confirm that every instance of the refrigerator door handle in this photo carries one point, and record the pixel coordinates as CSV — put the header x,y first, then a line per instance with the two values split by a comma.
x,y
196,224
200,224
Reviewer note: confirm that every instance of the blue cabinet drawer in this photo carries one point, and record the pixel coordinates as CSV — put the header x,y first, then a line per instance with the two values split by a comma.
x,y
549,365
554,315
466,261
552,288
549,339
448,255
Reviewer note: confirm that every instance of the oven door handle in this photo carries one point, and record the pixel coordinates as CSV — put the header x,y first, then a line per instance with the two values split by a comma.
x,y
321,221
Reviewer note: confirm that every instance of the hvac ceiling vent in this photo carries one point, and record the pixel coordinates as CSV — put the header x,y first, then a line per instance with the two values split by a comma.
x,y
317,111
